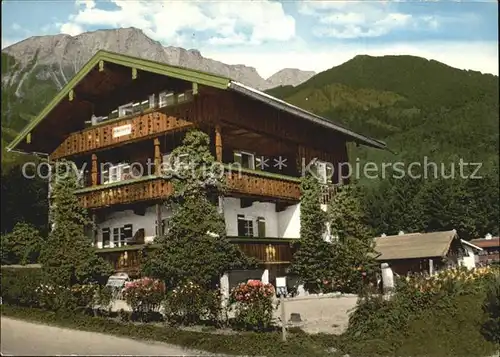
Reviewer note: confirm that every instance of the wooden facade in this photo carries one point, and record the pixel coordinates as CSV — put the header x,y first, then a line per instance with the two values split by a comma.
x,y
235,121
267,252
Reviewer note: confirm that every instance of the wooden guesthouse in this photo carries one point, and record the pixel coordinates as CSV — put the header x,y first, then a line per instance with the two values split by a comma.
x,y
120,117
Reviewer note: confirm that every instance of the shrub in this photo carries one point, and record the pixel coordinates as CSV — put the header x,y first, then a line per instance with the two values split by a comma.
x,y
22,245
56,297
144,296
253,304
425,316
491,306
19,286
191,304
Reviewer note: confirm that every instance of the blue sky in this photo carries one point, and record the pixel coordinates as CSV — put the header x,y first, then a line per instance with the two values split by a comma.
x,y
271,35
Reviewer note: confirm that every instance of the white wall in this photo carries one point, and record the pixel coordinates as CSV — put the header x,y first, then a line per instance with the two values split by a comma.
x,y
470,261
285,224
289,222
120,218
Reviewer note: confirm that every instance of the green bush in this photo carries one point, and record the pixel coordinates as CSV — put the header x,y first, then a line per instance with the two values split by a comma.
x,y
22,245
491,306
253,305
425,317
19,286
192,304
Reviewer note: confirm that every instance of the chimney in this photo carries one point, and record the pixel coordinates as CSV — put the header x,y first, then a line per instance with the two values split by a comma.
x,y
488,236
401,233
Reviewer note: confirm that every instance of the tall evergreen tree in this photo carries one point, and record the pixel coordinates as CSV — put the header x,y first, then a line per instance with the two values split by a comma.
x,y
68,256
313,260
195,247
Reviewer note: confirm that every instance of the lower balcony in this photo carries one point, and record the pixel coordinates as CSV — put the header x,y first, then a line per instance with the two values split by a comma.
x,y
268,251
247,182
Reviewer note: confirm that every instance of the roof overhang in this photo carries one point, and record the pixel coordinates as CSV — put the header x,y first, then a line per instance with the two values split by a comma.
x,y
194,76
304,114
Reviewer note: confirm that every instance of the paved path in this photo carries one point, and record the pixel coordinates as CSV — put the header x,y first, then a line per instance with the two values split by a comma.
x,y
20,338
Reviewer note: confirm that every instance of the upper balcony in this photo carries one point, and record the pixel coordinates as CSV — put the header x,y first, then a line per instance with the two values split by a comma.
x,y
253,183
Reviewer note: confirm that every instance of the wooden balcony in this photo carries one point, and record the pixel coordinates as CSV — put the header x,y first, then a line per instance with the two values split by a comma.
x,y
263,184
143,189
136,127
252,183
267,251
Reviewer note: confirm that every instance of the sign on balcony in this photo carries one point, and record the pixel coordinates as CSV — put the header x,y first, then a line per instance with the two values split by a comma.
x,y
122,130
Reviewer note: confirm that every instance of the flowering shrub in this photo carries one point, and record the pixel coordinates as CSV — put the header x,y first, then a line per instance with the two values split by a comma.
x,y
55,297
190,304
144,295
253,304
84,295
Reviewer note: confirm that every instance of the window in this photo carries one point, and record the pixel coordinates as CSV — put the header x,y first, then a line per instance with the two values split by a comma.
x,y
116,173
125,109
105,237
323,171
116,237
164,226
245,159
261,227
171,165
245,226
126,233
165,99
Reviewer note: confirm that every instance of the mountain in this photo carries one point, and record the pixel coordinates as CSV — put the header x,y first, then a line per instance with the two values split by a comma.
x,y
35,69
289,76
421,108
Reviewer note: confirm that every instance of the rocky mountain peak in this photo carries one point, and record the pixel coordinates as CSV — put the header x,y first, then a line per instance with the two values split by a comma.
x,y
64,55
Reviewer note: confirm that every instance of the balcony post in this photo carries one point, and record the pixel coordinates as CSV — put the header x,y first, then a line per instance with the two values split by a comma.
x,y
218,143
218,157
94,170
157,157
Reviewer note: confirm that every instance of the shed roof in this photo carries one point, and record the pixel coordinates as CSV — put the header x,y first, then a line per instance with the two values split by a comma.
x,y
414,245
191,75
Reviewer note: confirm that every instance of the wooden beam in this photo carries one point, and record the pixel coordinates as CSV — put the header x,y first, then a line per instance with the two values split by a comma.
x,y
94,170
157,162
71,95
158,219
101,66
218,143
28,138
134,73
195,88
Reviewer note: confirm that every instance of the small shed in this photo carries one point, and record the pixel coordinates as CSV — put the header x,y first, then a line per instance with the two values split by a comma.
x,y
420,252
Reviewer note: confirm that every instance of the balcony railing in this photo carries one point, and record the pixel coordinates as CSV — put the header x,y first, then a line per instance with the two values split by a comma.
x,y
252,183
267,251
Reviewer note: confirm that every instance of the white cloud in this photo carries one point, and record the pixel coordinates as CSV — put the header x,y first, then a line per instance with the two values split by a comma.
x,y
347,20
232,22
71,29
16,26
479,56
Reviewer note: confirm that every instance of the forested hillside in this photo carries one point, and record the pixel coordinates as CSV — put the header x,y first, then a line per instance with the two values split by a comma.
x,y
420,108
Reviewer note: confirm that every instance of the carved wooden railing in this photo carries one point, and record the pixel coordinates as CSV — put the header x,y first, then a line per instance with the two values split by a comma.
x,y
267,251
154,188
143,189
140,126
259,183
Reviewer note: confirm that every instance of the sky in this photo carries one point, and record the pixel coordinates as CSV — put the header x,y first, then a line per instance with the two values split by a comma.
x,y
271,35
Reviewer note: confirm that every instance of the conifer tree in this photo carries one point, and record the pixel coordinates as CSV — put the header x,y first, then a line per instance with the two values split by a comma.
x,y
68,256
312,261
195,247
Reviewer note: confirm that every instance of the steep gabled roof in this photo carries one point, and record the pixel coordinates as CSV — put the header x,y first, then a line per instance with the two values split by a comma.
x,y
189,75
